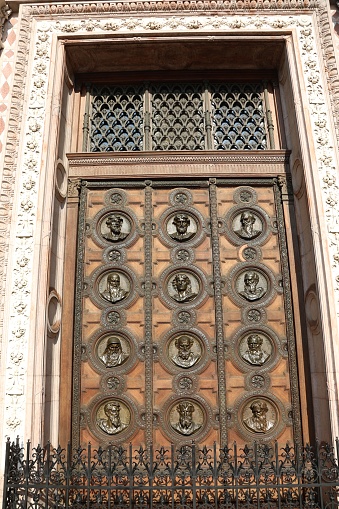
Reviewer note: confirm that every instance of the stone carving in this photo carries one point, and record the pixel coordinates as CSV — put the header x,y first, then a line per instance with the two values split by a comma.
x,y
113,354
258,420
188,351
181,290
251,290
184,225
118,228
5,12
185,424
114,292
247,226
113,421
256,353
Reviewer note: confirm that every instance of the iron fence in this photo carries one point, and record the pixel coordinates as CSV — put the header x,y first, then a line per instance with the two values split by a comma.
x,y
188,477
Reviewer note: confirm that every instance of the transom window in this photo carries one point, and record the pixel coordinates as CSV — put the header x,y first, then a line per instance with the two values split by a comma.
x,y
178,116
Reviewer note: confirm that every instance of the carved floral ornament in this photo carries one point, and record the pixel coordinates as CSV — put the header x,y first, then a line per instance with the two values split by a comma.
x,y
110,21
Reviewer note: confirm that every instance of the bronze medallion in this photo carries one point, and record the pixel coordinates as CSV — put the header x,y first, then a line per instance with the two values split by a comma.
x,y
113,417
115,227
114,287
183,287
181,227
259,415
184,350
255,349
247,225
251,285
113,351
186,417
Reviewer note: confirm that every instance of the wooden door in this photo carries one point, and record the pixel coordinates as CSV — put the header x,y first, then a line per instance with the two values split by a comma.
x,y
183,316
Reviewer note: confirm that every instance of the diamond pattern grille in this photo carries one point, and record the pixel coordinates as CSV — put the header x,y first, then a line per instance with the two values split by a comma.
x,y
238,117
178,116
117,119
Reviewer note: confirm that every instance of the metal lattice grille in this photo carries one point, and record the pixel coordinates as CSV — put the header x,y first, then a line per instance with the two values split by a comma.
x,y
117,119
185,478
179,116
238,117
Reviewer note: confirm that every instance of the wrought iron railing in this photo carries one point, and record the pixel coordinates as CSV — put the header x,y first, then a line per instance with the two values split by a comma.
x,y
188,477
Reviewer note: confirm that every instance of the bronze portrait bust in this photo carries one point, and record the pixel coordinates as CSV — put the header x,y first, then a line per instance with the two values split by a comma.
x,y
185,425
114,233
182,223
247,230
184,356
255,353
251,289
112,423
113,354
258,420
113,291
182,286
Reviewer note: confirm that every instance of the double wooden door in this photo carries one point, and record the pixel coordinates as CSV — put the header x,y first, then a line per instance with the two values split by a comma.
x,y
184,323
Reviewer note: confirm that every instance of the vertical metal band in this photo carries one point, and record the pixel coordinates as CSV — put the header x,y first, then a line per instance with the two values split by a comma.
x,y
78,318
219,322
208,121
148,318
270,124
147,119
85,128
281,194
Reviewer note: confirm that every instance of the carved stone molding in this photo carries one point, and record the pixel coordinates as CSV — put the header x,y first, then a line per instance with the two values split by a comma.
x,y
5,12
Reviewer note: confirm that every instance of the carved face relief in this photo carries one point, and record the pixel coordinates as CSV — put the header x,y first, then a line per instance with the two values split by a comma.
x,y
255,349
115,227
183,287
184,351
259,416
113,417
181,227
113,351
186,417
247,225
251,285
114,287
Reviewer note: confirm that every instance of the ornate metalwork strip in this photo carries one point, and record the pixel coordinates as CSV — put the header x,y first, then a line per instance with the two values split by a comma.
x,y
281,192
219,322
148,316
289,476
78,317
